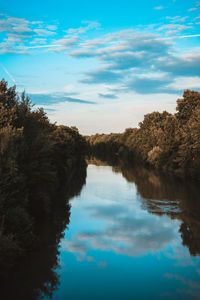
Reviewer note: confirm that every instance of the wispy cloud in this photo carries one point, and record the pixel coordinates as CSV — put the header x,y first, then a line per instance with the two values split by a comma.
x,y
52,27
43,32
64,44
177,19
197,18
19,33
192,9
43,46
159,7
9,74
179,37
83,29
197,5
171,29
122,58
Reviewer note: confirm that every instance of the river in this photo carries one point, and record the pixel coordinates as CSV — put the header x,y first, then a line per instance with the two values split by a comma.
x,y
131,234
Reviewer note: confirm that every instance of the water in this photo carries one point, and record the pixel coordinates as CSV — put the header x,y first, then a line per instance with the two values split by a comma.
x,y
132,234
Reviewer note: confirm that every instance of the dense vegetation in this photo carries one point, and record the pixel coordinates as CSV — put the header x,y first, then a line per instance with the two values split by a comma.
x,y
38,162
170,142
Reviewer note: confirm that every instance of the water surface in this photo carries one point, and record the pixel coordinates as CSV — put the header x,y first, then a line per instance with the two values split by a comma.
x,y
131,236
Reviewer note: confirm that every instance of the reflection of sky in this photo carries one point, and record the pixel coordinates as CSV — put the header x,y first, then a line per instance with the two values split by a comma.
x,y
114,247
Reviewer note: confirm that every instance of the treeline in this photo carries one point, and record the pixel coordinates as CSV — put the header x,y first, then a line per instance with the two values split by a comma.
x,y
170,142
38,164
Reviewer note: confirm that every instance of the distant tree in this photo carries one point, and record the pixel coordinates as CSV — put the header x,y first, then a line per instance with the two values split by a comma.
x,y
165,141
186,106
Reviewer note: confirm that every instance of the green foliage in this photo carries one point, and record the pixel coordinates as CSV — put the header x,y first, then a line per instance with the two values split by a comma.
x,y
187,106
163,141
36,159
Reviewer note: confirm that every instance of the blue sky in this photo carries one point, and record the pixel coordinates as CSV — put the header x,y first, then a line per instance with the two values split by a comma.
x,y
101,65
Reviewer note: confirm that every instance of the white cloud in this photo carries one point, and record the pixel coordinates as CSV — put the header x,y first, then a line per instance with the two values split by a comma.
x,y
43,32
43,46
9,75
177,19
197,18
20,33
192,9
174,28
38,41
83,29
52,27
181,83
67,42
159,7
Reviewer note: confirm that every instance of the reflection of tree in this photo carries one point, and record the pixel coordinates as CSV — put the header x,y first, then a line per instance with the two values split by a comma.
x,y
161,194
190,228
172,196
36,275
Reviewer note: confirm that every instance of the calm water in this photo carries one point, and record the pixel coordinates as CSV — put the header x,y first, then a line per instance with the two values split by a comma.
x,y
121,245
132,235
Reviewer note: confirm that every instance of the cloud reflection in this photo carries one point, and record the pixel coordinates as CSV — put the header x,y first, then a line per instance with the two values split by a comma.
x,y
125,227
129,235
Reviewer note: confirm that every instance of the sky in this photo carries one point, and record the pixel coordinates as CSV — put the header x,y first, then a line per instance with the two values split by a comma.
x,y
101,65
